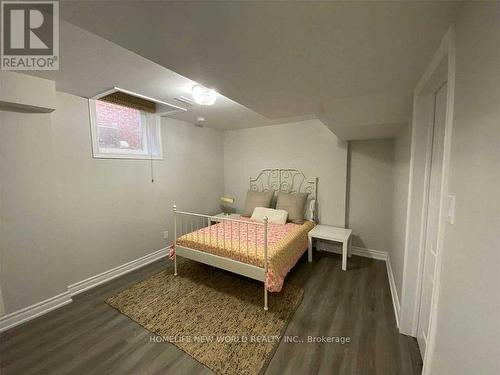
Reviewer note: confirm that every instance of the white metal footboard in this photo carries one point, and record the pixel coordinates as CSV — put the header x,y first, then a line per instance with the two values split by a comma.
x,y
189,224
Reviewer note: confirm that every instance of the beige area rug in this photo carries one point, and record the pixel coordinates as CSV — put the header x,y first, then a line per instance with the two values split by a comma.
x,y
214,316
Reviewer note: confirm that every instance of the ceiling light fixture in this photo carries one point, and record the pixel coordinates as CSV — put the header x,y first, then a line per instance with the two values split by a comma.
x,y
203,95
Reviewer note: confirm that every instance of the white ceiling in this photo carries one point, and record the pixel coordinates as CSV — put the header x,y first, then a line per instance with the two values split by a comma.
x,y
351,64
90,65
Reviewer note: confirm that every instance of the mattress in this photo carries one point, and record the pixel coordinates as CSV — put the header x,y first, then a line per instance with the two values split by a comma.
x,y
244,242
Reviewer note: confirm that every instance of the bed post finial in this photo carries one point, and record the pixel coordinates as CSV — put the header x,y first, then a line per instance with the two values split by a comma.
x,y
174,207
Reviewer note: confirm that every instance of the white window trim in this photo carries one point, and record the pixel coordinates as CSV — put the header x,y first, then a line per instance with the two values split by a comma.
x,y
118,154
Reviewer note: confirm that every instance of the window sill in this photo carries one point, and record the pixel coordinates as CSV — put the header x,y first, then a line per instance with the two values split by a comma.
x,y
128,157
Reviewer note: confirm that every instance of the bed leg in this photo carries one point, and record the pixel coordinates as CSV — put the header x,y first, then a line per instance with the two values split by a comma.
x,y
265,263
309,249
265,298
175,265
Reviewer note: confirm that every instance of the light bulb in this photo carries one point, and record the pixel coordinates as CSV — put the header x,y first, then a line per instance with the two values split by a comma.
x,y
203,95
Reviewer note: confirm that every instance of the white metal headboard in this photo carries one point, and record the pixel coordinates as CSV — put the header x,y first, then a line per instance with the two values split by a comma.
x,y
286,180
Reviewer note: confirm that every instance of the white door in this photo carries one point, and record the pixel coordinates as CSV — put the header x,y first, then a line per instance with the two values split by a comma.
x,y
433,217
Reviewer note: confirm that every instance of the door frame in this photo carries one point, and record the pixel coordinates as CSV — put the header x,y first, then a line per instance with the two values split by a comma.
x,y
433,92
441,65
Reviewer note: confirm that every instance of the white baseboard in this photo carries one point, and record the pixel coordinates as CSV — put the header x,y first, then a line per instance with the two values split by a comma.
x,y
394,291
355,250
374,254
370,253
31,312
113,273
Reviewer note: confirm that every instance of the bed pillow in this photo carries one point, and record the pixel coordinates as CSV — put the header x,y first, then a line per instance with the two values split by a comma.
x,y
256,199
310,210
273,216
294,204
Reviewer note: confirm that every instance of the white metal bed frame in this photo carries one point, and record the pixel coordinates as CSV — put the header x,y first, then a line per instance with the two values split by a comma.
x,y
287,180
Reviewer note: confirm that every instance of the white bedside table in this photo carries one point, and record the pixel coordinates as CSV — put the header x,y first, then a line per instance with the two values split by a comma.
x,y
214,219
326,232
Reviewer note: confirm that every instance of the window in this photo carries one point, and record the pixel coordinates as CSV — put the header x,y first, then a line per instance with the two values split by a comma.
x,y
123,132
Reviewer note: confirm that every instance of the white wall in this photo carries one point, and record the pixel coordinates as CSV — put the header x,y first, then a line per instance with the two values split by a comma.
x,y
468,320
371,193
31,252
399,205
66,216
307,145
378,191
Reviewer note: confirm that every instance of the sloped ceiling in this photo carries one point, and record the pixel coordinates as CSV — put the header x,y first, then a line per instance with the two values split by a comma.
x,y
352,64
90,65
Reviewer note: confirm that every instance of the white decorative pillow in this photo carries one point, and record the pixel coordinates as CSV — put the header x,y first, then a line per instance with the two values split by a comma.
x,y
274,216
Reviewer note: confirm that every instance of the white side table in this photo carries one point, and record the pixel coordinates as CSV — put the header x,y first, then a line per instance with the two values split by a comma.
x,y
326,232
214,219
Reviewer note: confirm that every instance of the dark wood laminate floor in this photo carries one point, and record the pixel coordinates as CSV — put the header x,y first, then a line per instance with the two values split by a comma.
x,y
89,337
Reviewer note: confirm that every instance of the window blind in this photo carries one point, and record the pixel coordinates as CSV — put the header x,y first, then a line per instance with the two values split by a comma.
x,y
131,101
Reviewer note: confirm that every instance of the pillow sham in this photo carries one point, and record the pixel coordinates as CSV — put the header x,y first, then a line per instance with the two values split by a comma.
x,y
310,210
294,204
273,216
256,199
